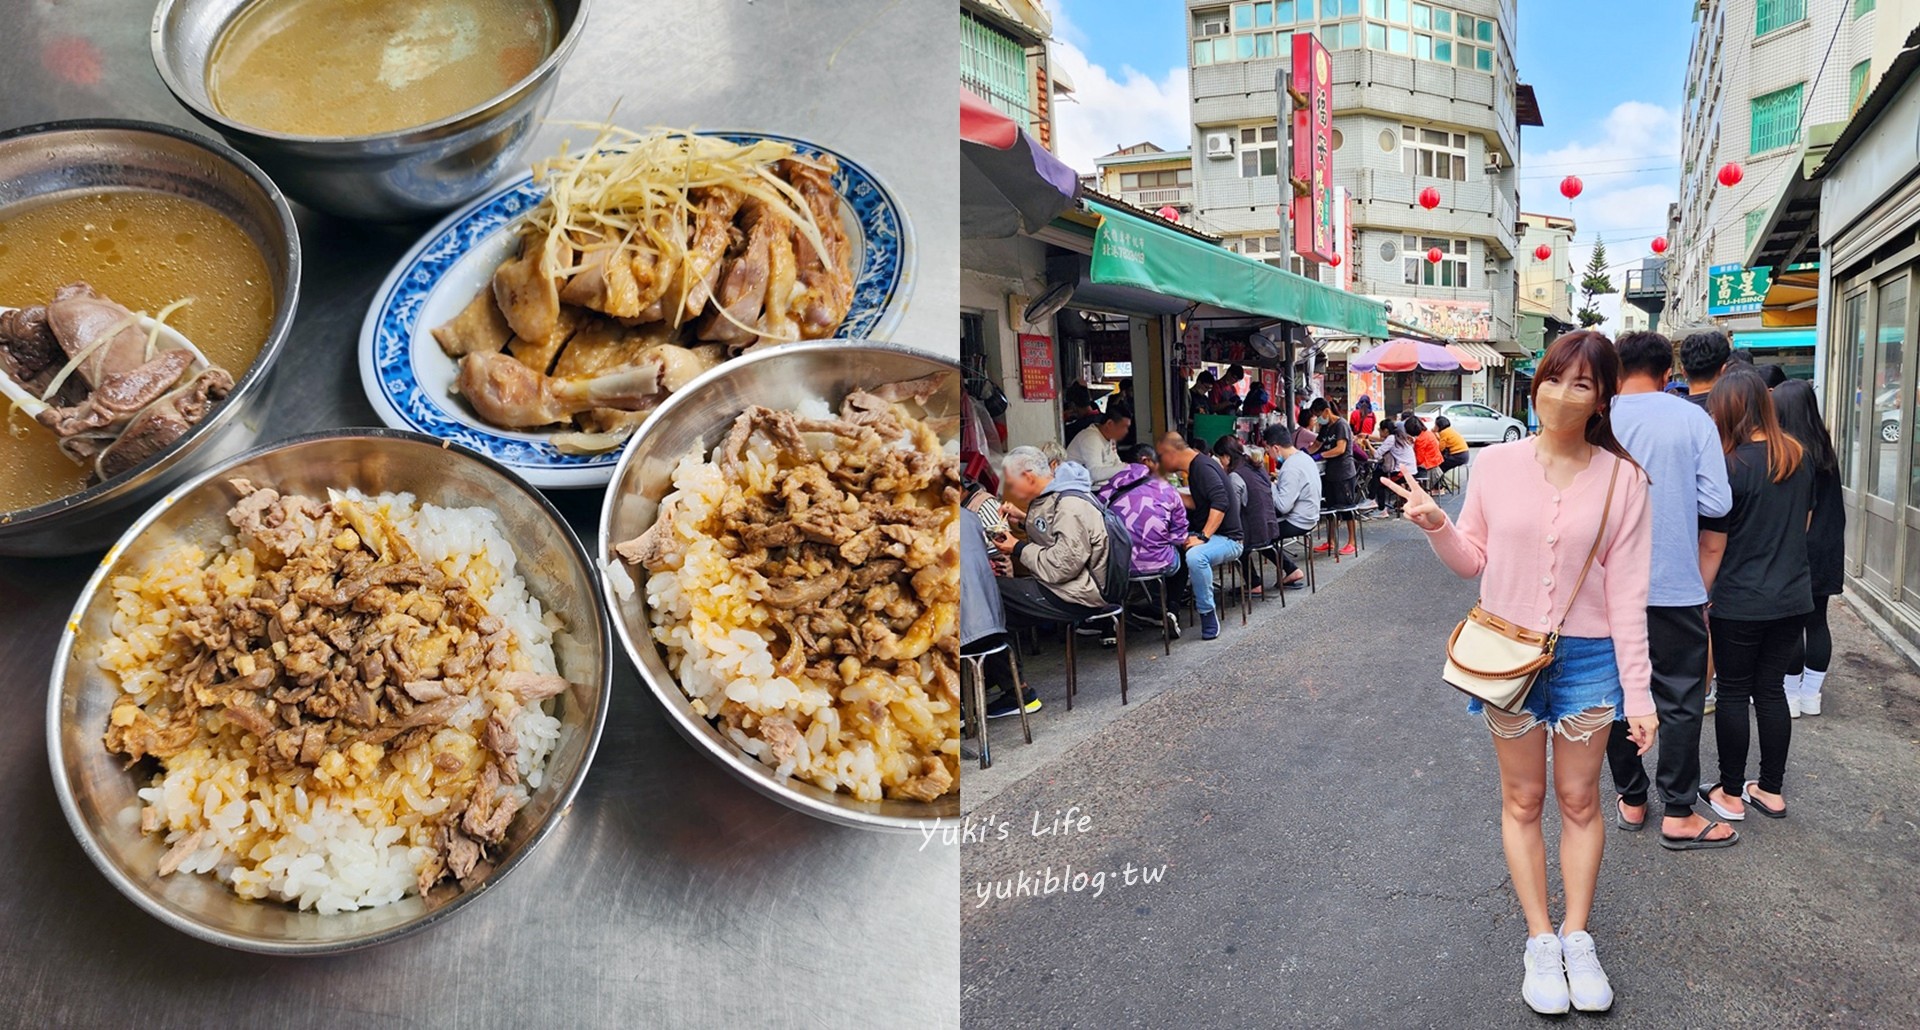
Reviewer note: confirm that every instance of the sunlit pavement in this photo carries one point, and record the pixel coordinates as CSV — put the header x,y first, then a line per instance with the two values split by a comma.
x,y
1298,826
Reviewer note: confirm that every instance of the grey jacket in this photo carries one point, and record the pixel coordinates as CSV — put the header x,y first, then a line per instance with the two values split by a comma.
x,y
981,614
1066,545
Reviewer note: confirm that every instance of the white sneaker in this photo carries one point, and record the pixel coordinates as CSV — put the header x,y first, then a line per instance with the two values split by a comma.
x,y
1545,988
1587,983
1794,704
1810,691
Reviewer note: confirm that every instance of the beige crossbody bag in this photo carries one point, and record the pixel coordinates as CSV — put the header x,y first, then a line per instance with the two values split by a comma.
x,y
1496,661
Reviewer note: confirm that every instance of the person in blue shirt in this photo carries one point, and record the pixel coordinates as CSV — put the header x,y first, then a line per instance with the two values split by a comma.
x,y
1678,445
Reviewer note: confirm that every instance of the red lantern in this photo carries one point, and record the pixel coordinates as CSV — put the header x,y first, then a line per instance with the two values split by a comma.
x,y
1570,187
1659,244
1542,252
1430,198
1334,260
1170,213
1730,174
1434,255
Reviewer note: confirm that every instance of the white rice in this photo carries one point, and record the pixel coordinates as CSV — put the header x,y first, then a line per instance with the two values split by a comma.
x,y
362,835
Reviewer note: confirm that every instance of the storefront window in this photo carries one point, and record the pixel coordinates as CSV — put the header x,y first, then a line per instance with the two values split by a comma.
x,y
1892,332
1848,420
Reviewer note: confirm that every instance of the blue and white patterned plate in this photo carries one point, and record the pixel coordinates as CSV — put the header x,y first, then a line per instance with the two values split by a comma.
x,y
409,379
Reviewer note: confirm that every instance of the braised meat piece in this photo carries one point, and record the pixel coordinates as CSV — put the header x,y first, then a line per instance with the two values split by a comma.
x,y
851,550
507,393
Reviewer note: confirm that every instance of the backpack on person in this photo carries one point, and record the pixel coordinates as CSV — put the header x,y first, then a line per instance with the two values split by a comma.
x,y
1119,549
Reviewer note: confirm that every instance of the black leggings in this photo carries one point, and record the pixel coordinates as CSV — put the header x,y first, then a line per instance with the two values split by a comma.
x,y
1815,650
1750,659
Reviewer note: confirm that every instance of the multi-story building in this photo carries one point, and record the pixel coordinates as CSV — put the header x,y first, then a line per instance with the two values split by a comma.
x,y
1004,58
1424,95
1543,308
1759,73
1148,177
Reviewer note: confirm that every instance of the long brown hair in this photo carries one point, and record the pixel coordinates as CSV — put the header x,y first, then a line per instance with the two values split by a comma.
x,y
1591,350
1741,405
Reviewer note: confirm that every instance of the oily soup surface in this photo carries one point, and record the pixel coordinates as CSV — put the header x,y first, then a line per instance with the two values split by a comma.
x,y
144,250
362,67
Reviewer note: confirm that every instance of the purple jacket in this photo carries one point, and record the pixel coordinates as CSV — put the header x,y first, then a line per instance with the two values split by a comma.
x,y
1155,518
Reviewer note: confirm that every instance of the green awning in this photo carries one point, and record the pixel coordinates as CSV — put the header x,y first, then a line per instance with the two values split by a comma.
x,y
1775,339
1129,251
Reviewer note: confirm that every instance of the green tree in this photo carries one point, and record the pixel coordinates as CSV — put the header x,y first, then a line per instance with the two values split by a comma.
x,y
1594,282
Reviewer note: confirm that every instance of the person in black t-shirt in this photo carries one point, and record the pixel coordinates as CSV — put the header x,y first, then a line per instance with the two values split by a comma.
x,y
1762,592
1333,448
1799,412
1214,517
1703,356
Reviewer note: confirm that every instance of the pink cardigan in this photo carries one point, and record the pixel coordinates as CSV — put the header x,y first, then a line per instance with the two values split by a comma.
x,y
1540,538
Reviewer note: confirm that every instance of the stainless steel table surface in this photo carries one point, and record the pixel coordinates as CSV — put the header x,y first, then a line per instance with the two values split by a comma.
x,y
670,895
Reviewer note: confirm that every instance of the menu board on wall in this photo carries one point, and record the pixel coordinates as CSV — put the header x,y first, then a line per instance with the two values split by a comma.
x,y
1036,368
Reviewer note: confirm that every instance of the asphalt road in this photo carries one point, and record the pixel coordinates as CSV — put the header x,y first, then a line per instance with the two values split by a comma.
x,y
1323,818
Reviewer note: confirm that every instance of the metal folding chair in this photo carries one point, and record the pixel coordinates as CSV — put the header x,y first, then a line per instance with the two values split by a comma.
x,y
1118,613
973,659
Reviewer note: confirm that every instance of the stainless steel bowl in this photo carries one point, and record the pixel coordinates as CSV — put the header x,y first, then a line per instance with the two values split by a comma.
x,y
97,792
699,415
390,177
42,162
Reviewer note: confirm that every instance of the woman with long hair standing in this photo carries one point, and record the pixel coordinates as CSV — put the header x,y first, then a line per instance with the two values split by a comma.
x,y
1535,509
1799,413
1762,594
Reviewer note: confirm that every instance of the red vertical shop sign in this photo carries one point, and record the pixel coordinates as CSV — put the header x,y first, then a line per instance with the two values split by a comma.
x,y
1311,140
1036,368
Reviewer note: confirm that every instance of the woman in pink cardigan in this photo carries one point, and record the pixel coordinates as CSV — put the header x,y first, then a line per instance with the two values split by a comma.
x,y
1531,515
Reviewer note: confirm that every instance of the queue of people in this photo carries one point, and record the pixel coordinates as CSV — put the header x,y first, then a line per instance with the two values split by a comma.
x,y
1645,539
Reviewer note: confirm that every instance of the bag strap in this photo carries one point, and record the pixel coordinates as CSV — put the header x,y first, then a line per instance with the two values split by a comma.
x,y
1605,511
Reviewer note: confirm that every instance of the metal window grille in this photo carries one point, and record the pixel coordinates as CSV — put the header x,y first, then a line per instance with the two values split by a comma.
x,y
995,66
1776,119
1769,15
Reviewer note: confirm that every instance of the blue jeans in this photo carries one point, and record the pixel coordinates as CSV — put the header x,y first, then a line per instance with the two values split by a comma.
x,y
1583,677
1200,562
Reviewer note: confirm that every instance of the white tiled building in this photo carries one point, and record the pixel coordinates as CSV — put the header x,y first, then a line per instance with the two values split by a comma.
x,y
1424,95
1754,82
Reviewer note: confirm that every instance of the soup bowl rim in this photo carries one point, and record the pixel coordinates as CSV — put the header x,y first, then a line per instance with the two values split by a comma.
x,y
423,134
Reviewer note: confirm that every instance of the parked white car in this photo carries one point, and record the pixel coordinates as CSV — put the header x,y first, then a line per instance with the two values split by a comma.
x,y
1477,423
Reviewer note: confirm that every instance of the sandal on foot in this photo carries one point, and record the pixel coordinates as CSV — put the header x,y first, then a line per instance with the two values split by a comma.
x,y
1706,794
1699,841
1746,794
1620,818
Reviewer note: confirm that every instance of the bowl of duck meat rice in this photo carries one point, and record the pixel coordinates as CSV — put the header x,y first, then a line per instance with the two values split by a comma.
x,y
325,695
779,552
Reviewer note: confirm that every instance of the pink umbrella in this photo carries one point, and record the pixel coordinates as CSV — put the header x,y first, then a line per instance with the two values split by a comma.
x,y
1468,363
1404,355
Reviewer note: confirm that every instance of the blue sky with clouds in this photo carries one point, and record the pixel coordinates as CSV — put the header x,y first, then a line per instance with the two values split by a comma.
x,y
1610,78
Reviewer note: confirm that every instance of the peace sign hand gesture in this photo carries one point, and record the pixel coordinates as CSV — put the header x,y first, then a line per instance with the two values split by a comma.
x,y
1420,508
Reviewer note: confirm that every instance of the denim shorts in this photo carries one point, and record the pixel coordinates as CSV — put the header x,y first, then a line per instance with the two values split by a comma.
x,y
1583,676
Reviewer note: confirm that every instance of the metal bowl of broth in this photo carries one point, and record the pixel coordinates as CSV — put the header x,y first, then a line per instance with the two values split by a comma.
x,y
384,112
145,214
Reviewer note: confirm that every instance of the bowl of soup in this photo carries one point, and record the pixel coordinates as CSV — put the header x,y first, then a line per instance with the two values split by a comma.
x,y
384,110
147,216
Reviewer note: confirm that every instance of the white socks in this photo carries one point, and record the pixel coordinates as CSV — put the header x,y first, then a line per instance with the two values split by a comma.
x,y
1809,683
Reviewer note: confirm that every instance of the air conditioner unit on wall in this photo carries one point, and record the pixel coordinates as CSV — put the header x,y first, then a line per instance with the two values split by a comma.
x,y
1494,162
1219,144
1214,28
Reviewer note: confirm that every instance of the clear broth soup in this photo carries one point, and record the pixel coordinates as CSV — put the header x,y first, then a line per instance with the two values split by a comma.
x,y
340,68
